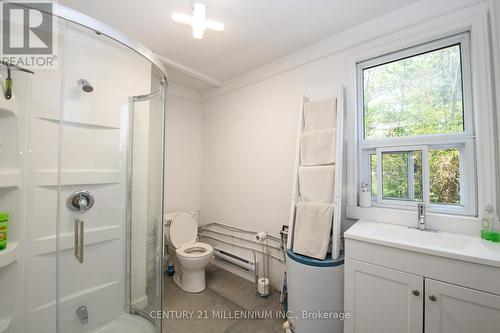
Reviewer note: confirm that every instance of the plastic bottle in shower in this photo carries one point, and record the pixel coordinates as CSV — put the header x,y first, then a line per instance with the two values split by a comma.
x,y
4,228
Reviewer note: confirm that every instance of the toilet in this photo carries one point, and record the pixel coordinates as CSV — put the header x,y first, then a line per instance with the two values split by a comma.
x,y
181,232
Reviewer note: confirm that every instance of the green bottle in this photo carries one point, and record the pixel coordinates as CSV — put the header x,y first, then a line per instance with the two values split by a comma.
x,y
495,229
4,228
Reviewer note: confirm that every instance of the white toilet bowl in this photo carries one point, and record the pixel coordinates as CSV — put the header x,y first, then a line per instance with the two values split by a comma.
x,y
193,259
181,231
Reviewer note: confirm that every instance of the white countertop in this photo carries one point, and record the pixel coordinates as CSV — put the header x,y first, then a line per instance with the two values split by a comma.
x,y
438,243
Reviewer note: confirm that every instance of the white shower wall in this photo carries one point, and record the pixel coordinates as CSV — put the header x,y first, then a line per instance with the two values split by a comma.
x,y
12,183
93,157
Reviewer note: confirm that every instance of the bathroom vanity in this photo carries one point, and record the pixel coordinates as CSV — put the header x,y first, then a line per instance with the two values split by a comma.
x,y
399,279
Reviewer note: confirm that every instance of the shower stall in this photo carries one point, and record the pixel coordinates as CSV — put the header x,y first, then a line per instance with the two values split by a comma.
x,y
81,178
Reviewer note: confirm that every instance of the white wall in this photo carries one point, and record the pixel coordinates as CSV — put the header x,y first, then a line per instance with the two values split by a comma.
x,y
249,143
249,139
495,22
183,150
249,125
496,5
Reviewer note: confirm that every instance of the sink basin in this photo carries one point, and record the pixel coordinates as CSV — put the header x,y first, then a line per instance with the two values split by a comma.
x,y
441,243
427,238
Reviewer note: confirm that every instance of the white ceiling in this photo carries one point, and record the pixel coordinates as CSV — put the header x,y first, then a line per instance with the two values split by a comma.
x,y
256,31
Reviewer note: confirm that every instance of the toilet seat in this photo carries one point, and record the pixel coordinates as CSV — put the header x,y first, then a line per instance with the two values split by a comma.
x,y
195,250
183,230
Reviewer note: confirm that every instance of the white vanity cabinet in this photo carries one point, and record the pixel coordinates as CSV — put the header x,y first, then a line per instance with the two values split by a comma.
x,y
399,280
382,299
455,309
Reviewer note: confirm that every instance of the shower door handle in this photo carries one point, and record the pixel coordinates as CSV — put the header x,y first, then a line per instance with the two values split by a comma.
x,y
79,240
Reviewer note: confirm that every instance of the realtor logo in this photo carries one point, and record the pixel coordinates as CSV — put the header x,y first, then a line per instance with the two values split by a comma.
x,y
28,34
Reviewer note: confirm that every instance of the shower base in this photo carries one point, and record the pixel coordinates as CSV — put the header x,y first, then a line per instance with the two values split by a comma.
x,y
126,323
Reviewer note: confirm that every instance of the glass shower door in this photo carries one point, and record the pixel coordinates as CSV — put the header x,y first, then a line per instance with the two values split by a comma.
x,y
109,190
145,208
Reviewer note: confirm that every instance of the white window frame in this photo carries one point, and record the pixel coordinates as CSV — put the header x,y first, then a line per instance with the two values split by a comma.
x,y
464,141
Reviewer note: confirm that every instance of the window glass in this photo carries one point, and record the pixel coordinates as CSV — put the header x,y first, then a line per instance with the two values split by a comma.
x,y
402,175
373,174
418,95
444,173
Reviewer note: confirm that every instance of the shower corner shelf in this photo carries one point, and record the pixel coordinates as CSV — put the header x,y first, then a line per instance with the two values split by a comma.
x,y
7,257
5,111
5,324
9,178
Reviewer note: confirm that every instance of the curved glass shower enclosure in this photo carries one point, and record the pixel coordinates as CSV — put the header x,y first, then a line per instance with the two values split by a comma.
x,y
81,176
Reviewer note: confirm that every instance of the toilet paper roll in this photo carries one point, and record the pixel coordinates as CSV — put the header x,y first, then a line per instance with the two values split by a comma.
x,y
261,236
263,286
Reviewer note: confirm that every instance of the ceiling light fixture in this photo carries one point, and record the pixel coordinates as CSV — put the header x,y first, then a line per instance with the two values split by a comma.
x,y
197,21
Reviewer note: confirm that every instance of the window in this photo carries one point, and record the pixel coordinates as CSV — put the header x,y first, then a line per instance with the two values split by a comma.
x,y
416,138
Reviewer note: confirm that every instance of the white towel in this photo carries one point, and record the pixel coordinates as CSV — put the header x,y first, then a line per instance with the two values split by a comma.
x,y
317,147
313,223
319,115
316,183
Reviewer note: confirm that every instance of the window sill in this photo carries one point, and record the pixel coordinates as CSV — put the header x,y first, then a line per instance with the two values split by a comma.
x,y
436,221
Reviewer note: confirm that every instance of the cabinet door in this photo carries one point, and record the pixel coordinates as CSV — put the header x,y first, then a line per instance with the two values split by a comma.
x,y
382,300
454,309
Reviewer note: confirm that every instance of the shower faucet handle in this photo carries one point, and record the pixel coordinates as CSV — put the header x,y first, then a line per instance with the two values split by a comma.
x,y
83,203
80,201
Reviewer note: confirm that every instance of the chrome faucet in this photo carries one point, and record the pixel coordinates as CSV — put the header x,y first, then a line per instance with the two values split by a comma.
x,y
421,216
83,314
